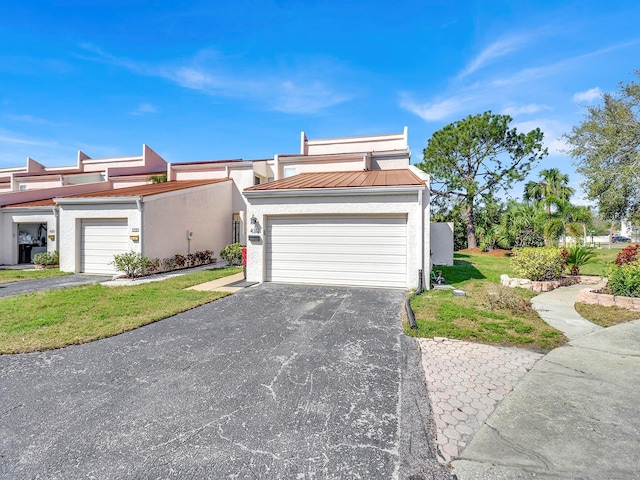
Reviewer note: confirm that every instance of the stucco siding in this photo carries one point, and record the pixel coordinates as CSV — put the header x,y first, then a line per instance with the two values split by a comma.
x,y
70,228
205,211
389,204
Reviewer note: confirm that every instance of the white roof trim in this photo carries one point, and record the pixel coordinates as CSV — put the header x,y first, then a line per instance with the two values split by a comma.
x,y
333,192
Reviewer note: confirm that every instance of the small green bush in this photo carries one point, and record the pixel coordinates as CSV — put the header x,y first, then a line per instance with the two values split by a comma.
x,y
47,258
133,264
232,253
538,264
624,280
577,257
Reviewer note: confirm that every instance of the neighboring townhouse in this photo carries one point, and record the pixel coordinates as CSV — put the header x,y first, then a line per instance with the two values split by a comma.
x,y
157,220
343,211
29,219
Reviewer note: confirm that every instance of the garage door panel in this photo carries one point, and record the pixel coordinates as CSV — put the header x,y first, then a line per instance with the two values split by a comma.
x,y
346,250
321,249
341,258
101,240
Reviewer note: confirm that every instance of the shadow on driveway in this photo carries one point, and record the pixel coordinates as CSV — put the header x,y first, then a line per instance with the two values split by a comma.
x,y
275,381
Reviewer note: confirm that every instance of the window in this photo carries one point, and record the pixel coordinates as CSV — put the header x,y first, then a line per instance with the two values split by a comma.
x,y
256,180
289,171
22,186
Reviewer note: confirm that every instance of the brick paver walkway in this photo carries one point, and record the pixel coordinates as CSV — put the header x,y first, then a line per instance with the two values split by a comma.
x,y
466,381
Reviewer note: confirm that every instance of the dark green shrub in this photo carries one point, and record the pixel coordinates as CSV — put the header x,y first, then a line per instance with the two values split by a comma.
x,y
624,280
538,264
132,264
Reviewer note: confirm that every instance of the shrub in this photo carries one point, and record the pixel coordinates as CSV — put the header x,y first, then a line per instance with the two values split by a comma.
x,y
232,253
179,260
47,258
133,264
624,279
538,264
577,257
505,298
628,254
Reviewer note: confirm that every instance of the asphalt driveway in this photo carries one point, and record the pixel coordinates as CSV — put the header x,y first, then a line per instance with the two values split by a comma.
x,y
273,382
52,283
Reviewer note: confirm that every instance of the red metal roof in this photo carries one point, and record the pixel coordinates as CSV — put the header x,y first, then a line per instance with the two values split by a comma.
x,y
149,189
36,203
363,178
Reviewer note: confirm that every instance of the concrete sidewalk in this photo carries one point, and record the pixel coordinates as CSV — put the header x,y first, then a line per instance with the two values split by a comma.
x,y
575,415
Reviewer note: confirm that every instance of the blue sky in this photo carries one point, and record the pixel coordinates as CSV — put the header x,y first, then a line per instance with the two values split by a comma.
x,y
242,79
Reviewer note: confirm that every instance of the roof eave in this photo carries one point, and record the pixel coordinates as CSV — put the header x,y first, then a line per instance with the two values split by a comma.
x,y
96,200
334,191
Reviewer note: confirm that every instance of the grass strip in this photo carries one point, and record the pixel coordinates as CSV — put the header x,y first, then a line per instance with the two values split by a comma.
x,y
605,316
57,318
10,275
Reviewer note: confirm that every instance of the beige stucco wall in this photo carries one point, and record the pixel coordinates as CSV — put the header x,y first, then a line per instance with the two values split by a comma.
x,y
206,211
10,218
414,205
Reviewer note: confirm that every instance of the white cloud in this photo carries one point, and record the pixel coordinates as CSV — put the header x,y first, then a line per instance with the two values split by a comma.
x,y
438,110
500,48
310,91
306,98
588,96
553,131
9,138
143,109
514,110
27,119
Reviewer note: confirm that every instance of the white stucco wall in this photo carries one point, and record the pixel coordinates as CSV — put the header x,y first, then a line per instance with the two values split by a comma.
x,y
399,203
206,211
442,243
70,222
9,230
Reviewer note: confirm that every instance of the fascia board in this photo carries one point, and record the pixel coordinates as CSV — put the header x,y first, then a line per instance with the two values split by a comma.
x,y
96,200
334,192
11,210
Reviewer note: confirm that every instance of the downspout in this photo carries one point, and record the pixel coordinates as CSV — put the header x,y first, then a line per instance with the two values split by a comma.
x,y
54,210
140,209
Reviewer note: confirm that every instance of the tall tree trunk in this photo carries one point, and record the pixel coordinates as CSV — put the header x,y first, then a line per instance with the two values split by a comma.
x,y
471,228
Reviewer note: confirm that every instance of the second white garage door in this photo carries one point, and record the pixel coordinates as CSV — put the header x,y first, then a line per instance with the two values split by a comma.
x,y
337,250
101,240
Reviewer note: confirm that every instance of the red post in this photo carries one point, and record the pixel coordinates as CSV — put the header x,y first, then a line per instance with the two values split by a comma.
x,y
244,256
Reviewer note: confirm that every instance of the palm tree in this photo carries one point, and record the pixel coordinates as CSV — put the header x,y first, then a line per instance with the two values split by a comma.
x,y
553,184
564,215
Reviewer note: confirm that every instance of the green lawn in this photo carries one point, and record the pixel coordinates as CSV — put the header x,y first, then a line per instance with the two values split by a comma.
x,y
494,314
56,318
8,276
489,313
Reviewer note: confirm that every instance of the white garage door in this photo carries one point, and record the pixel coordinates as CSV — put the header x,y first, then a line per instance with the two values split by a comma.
x,y
338,250
101,240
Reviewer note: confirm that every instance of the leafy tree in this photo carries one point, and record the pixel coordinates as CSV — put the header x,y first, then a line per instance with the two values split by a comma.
x,y
553,184
477,156
605,147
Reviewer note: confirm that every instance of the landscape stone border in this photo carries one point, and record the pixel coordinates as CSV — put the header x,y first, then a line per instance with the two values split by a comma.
x,y
546,286
593,297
